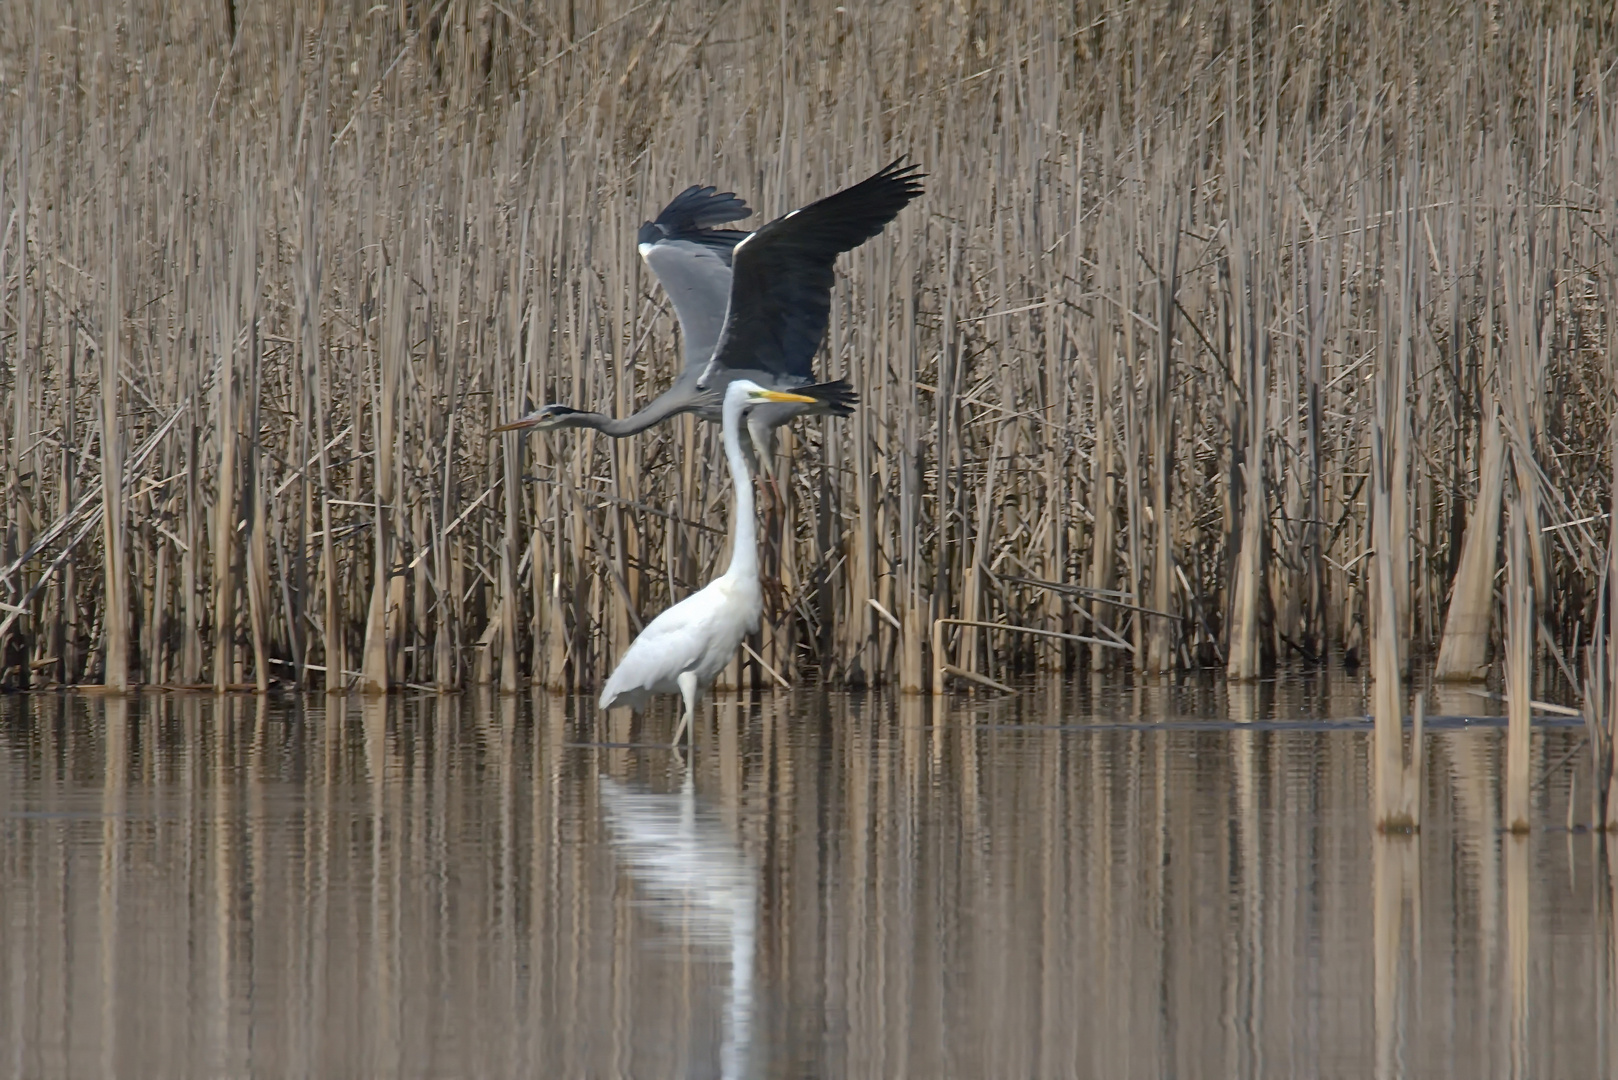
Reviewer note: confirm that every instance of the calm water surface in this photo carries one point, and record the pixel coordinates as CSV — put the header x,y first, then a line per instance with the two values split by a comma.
x,y
1110,882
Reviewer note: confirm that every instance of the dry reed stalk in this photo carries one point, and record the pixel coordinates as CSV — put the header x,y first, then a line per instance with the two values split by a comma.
x,y
1397,784
226,410
115,607
1131,414
909,585
64,637
1244,650
190,557
250,519
1102,477
16,649
1396,787
1395,406
1602,709
258,564
1160,653
305,190
1315,506
504,625
1519,669
331,624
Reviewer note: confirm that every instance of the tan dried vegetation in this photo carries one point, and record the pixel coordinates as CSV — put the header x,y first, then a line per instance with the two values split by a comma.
x,y
1184,278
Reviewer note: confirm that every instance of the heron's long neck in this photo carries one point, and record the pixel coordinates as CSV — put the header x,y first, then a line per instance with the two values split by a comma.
x,y
658,409
743,527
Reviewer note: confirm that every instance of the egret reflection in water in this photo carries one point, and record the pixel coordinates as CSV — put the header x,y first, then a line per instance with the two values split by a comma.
x,y
695,879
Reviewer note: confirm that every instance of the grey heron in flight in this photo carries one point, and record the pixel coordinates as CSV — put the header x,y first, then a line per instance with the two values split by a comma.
x,y
751,306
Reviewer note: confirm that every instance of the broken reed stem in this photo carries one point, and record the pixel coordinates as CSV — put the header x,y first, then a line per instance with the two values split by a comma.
x,y
1464,653
1150,369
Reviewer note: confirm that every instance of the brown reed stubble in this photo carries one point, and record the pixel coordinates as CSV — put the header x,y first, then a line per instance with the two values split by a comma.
x,y
353,244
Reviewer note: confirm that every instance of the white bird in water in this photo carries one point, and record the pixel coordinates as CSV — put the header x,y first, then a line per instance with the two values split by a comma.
x,y
685,648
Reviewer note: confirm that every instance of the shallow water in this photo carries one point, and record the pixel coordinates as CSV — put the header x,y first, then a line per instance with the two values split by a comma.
x,y
1113,883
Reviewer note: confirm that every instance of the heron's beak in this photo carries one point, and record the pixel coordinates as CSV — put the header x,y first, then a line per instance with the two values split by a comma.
x,y
782,395
517,425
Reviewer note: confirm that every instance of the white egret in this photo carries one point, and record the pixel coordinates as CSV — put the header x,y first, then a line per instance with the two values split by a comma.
x,y
683,649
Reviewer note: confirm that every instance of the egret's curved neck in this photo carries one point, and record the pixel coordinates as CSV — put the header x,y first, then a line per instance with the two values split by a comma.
x,y
743,527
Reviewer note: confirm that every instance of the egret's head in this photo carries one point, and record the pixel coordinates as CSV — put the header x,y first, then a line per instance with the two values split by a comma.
x,y
551,416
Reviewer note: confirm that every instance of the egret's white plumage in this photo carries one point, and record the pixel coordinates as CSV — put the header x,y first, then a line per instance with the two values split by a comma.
x,y
684,649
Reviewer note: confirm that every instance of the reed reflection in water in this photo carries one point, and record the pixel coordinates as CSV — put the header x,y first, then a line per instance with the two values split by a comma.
x,y
1114,882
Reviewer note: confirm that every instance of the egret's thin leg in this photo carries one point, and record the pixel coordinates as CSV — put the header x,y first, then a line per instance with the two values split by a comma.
x,y
688,691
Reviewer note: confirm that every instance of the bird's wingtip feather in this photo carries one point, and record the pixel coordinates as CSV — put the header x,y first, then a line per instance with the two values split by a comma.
x,y
699,208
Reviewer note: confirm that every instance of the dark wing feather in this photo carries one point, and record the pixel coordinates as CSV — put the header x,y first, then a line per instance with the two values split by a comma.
x,y
692,260
780,293
692,215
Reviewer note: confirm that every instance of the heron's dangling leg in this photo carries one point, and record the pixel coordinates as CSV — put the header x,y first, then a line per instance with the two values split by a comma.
x,y
760,448
760,442
749,450
688,691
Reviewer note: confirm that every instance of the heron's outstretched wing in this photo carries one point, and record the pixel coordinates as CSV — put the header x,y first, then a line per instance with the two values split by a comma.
x,y
780,295
692,260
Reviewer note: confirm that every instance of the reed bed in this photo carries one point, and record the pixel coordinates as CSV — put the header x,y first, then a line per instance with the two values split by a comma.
x,y
269,275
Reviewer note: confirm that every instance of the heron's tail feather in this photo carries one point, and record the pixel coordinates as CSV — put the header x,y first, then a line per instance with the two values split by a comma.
x,y
835,398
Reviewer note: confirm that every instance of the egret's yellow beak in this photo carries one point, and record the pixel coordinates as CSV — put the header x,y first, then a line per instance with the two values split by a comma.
x,y
782,395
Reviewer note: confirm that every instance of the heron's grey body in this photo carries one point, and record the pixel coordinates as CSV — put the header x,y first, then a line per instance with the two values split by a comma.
x,y
763,327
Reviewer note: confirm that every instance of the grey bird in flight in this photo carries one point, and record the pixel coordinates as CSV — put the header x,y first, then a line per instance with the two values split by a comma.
x,y
750,305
